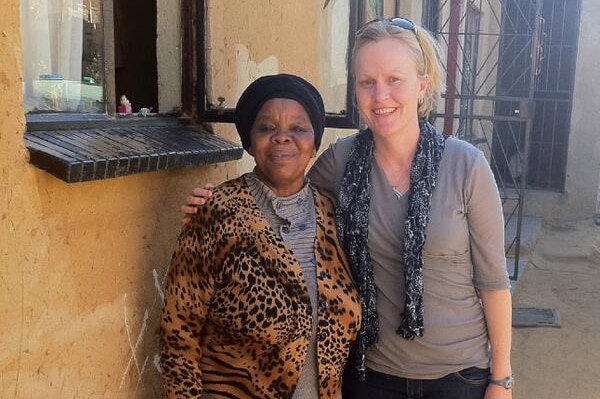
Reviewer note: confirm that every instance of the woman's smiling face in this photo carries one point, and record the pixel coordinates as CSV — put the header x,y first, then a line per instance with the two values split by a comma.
x,y
388,86
282,142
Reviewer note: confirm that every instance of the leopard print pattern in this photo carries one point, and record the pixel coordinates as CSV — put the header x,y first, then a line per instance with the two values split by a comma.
x,y
237,318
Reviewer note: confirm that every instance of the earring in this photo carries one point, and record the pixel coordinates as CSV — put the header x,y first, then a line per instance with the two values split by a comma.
x,y
421,100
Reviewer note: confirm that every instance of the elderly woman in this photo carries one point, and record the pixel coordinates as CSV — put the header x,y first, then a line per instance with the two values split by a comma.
x,y
259,300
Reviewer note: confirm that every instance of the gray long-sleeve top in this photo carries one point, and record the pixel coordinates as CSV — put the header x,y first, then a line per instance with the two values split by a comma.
x,y
464,252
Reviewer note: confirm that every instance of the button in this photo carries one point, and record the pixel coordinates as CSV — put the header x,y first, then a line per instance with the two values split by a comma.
x,y
323,274
285,229
324,304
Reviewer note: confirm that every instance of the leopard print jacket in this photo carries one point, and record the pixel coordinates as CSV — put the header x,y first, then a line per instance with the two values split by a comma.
x,y
237,319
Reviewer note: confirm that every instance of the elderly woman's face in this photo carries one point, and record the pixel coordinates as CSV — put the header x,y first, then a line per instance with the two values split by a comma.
x,y
282,142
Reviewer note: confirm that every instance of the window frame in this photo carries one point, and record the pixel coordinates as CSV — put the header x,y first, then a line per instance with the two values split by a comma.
x,y
347,120
109,57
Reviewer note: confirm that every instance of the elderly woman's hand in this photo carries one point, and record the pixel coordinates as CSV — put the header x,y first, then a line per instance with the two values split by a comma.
x,y
197,198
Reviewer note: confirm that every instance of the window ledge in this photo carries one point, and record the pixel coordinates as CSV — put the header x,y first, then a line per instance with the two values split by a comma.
x,y
87,151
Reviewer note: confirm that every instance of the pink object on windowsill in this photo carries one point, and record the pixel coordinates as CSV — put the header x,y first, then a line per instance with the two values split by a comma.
x,y
125,105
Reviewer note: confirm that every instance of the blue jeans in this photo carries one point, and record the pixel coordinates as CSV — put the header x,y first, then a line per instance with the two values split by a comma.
x,y
465,384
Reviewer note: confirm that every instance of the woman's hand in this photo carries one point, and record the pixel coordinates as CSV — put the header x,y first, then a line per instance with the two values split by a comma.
x,y
497,392
198,198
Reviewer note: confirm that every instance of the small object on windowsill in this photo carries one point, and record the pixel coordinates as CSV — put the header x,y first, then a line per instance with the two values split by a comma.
x,y
144,111
124,106
51,76
221,106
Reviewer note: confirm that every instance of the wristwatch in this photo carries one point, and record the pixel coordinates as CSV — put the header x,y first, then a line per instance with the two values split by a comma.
x,y
506,383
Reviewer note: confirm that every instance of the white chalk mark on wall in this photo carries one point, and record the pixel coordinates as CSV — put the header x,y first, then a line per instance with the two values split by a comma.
x,y
158,284
156,362
140,375
133,360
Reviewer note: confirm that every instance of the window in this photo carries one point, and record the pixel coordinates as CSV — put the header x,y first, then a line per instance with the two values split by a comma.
x,y
64,56
249,39
82,56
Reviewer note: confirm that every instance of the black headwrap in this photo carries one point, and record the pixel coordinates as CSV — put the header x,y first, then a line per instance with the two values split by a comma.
x,y
279,86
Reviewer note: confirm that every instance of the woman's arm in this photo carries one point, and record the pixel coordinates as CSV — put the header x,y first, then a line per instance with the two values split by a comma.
x,y
325,174
322,174
187,292
497,310
486,232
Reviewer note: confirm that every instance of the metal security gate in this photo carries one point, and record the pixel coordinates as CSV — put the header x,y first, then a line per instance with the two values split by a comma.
x,y
492,51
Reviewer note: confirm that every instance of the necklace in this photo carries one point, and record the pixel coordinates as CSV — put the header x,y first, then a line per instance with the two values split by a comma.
x,y
396,175
397,192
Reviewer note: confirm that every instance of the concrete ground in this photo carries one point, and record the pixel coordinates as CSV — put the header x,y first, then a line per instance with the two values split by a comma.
x,y
562,274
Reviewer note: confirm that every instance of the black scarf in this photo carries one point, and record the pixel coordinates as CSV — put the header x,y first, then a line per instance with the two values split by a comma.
x,y
352,220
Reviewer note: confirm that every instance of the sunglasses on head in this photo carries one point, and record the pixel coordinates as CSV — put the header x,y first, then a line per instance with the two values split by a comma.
x,y
396,21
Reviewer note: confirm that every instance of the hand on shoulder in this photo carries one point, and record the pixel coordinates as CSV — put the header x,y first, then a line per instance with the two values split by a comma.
x,y
198,197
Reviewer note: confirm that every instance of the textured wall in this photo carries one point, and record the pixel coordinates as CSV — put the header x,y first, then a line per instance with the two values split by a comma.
x,y
81,265
583,165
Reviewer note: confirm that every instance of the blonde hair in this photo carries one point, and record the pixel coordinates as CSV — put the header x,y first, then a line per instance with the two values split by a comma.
x,y
424,48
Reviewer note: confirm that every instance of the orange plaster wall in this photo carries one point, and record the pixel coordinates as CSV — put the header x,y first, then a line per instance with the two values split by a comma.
x,y
81,265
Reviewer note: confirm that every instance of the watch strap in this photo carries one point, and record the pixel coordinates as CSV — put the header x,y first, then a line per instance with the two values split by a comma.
x,y
506,383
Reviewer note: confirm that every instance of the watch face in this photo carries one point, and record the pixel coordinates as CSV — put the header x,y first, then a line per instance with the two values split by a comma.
x,y
507,382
